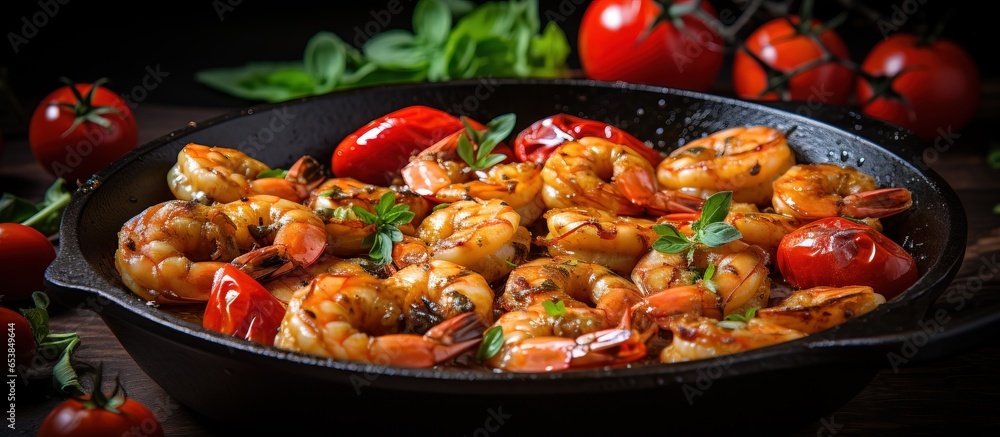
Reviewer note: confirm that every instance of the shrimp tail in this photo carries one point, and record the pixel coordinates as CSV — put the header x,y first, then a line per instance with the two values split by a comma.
x,y
877,203
668,202
265,263
441,343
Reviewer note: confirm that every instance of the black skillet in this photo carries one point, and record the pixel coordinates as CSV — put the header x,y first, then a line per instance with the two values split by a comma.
x,y
237,383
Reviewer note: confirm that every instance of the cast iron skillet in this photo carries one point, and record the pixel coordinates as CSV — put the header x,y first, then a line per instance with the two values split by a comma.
x,y
235,382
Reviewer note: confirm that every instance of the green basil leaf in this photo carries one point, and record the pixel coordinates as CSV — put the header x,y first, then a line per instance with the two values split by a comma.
x,y
470,131
325,60
665,230
492,342
396,49
736,317
668,245
718,233
394,234
432,22
14,209
64,377
267,81
364,215
385,203
497,130
709,272
548,53
490,161
440,206
273,173
465,150
715,210
459,8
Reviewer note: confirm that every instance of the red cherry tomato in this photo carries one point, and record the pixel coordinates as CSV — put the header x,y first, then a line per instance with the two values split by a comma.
x,y
538,141
784,47
933,87
76,131
24,255
637,41
239,306
19,331
100,415
375,152
839,252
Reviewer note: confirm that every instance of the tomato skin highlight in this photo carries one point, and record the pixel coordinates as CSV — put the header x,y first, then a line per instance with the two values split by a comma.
x,y
73,417
76,153
939,81
838,252
376,152
25,254
777,43
239,306
616,44
538,141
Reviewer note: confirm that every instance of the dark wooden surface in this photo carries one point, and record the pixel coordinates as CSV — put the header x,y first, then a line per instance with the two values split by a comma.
x,y
959,392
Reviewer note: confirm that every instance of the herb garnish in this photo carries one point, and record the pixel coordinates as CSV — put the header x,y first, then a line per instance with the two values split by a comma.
x,y
388,215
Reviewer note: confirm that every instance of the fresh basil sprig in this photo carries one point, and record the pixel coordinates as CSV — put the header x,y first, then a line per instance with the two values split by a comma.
x,y
451,39
709,230
44,216
492,341
388,215
479,157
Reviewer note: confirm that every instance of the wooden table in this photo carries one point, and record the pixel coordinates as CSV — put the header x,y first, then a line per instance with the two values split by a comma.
x,y
957,393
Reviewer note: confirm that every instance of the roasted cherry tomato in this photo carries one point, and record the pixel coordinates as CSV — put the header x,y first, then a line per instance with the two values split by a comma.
x,y
24,255
98,414
786,48
536,142
239,306
19,337
375,152
79,129
649,42
929,87
839,252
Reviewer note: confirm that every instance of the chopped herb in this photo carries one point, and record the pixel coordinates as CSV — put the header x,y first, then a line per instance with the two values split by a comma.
x,y
751,313
731,324
994,155
510,263
492,341
440,206
555,308
706,279
388,215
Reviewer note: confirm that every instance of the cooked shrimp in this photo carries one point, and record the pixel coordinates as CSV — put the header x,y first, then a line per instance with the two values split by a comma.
x,y
814,191
598,236
821,308
741,278
696,338
334,200
535,341
439,290
764,229
349,317
169,253
576,283
281,234
219,175
744,160
440,174
484,236
685,300
593,172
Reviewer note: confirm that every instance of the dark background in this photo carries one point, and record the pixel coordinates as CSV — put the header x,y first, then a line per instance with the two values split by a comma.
x,y
88,40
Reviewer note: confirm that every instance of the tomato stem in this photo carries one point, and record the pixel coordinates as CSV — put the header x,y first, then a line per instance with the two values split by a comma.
x,y
84,109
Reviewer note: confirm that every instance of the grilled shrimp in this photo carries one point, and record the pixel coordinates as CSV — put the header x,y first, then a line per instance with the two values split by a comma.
x,y
350,317
744,160
281,234
437,290
220,175
485,236
334,200
593,172
440,174
535,341
576,283
696,338
598,236
813,191
169,253
816,309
